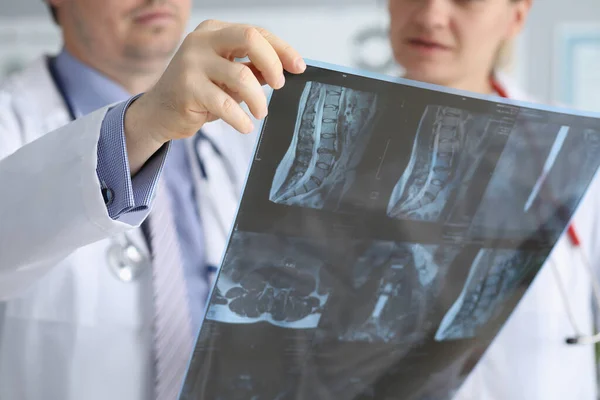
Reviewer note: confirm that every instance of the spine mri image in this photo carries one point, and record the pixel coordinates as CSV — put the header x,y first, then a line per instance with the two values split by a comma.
x,y
332,130
492,177
449,146
395,285
494,277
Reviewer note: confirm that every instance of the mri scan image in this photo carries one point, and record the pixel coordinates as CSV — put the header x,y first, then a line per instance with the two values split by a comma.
x,y
449,147
524,170
395,285
532,186
495,276
332,129
272,279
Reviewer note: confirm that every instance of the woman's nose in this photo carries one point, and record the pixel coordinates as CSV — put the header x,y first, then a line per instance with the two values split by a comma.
x,y
433,14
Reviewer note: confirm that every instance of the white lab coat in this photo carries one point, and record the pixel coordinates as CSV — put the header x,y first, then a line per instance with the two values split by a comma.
x,y
69,329
529,359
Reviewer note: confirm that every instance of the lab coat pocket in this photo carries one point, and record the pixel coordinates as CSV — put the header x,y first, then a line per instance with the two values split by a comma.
x,y
83,290
67,294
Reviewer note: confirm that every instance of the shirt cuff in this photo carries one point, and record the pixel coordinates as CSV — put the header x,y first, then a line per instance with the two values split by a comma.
x,y
125,197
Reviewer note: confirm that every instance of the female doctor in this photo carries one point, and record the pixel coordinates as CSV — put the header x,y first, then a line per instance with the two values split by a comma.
x,y
460,44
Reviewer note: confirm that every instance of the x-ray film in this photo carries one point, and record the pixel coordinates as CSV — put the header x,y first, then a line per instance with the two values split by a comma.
x,y
386,232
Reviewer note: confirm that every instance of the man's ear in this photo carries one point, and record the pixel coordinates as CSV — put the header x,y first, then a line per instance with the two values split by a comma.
x,y
54,3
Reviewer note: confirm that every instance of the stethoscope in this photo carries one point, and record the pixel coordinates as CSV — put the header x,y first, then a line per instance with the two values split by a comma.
x,y
125,258
202,137
579,337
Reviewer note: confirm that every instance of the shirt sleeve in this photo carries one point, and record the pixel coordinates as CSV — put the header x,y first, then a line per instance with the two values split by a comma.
x,y
126,199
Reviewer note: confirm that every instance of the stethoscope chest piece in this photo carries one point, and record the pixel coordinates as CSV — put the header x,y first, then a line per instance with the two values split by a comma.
x,y
126,261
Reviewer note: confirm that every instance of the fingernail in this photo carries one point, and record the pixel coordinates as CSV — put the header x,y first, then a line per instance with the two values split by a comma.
x,y
300,64
281,81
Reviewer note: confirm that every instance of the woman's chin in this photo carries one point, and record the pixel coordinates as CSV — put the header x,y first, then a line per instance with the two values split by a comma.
x,y
427,75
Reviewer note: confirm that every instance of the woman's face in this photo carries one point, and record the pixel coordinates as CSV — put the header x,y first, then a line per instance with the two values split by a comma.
x,y
449,41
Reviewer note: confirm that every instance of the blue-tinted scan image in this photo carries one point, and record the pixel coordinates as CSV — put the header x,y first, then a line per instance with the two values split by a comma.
x,y
333,127
397,284
269,278
533,183
495,276
294,317
449,146
524,169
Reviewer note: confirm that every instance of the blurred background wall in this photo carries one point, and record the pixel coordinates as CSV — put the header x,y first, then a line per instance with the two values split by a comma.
x,y
553,59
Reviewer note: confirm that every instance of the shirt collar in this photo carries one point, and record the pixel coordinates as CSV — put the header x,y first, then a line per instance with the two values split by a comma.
x,y
87,88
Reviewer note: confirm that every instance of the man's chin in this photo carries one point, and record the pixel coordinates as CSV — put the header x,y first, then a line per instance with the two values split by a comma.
x,y
159,37
151,53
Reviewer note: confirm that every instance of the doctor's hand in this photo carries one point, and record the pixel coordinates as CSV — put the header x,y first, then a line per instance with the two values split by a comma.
x,y
203,82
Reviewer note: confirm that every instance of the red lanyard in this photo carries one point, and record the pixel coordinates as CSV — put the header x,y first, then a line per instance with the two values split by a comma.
x,y
573,236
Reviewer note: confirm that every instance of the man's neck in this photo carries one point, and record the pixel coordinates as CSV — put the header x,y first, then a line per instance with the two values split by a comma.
x,y
134,81
134,77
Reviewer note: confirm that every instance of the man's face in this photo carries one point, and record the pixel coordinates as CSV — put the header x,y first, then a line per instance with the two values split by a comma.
x,y
125,32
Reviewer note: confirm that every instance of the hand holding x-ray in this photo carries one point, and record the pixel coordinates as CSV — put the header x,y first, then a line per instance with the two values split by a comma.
x,y
204,82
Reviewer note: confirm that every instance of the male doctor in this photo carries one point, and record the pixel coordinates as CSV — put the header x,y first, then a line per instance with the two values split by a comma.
x,y
98,301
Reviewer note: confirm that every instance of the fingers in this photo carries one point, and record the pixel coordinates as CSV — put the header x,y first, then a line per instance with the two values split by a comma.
x,y
223,106
245,41
228,82
241,82
212,25
259,77
290,58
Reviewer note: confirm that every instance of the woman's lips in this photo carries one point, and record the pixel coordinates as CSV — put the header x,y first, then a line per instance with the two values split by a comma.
x,y
427,46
